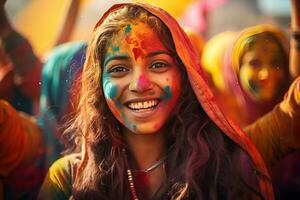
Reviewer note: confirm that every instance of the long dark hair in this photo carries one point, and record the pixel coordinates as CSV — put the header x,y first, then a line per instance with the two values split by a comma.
x,y
202,163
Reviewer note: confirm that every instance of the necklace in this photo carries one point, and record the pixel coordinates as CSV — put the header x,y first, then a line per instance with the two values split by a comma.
x,y
154,166
130,178
131,185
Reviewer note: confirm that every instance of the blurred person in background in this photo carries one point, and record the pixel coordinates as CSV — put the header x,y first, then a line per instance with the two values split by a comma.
x,y
20,68
29,145
250,72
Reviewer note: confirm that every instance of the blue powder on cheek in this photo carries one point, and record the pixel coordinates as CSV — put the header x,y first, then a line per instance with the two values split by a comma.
x,y
110,90
168,93
113,91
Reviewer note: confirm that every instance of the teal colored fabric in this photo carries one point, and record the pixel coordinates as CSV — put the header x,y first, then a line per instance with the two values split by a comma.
x,y
58,73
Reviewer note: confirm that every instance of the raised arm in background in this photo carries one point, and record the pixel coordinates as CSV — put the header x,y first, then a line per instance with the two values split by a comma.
x,y
295,39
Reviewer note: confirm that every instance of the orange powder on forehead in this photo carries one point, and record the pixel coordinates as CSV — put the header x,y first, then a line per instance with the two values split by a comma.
x,y
139,39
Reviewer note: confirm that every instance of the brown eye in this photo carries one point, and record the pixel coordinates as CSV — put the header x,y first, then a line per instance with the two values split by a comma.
x,y
159,66
255,63
276,64
118,69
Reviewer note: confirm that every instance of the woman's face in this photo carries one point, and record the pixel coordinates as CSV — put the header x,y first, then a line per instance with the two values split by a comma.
x,y
141,81
262,73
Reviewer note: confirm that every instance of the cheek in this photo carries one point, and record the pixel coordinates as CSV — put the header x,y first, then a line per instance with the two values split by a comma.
x,y
172,88
168,92
114,108
247,74
110,89
278,75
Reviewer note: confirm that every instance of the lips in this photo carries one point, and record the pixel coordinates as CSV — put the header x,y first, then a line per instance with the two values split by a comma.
x,y
140,105
137,105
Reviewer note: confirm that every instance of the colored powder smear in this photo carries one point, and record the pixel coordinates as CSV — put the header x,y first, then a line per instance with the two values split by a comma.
x,y
143,82
136,52
113,91
110,90
115,49
134,128
168,91
127,29
127,122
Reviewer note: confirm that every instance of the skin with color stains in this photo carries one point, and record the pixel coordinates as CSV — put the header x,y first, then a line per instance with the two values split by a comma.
x,y
141,81
262,71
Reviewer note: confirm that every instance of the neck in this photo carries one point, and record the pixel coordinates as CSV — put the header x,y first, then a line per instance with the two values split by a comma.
x,y
147,149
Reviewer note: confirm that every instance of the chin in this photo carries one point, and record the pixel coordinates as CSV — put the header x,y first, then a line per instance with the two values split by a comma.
x,y
146,129
264,98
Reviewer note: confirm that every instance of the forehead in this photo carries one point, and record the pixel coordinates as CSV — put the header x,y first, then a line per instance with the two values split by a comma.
x,y
136,34
266,43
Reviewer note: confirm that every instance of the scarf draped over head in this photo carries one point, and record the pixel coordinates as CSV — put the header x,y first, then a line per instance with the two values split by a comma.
x,y
196,75
212,57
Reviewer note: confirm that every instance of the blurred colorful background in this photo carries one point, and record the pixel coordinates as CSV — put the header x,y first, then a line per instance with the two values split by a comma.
x,y
40,20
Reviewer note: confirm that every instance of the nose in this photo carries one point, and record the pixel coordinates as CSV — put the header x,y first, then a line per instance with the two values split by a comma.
x,y
263,74
140,84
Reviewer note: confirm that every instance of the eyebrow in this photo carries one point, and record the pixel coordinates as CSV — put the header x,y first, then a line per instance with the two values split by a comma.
x,y
115,57
154,53
125,57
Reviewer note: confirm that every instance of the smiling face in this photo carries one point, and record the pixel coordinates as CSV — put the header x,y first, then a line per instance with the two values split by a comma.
x,y
262,71
141,81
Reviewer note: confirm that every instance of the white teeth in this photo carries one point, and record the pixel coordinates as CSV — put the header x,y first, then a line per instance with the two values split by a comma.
x,y
140,105
143,104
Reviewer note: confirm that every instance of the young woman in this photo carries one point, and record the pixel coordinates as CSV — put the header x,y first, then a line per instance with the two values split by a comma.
x,y
147,125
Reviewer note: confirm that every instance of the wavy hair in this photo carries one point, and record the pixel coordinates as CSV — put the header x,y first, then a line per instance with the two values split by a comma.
x,y
202,162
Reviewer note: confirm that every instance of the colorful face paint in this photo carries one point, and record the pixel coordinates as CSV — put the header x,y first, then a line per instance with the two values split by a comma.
x,y
141,80
262,73
110,90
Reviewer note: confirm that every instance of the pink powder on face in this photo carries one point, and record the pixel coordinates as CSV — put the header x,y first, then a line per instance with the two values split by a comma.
x,y
143,82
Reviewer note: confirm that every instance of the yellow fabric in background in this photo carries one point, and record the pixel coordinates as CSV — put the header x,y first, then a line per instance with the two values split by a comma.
x,y
212,57
39,22
175,7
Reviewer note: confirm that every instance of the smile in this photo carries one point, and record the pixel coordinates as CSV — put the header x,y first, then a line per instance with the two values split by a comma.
x,y
142,106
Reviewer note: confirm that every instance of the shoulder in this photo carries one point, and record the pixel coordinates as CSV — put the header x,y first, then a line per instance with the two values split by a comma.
x,y
63,168
58,182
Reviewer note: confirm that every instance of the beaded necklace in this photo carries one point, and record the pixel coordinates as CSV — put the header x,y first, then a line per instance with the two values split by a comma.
x,y
130,177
